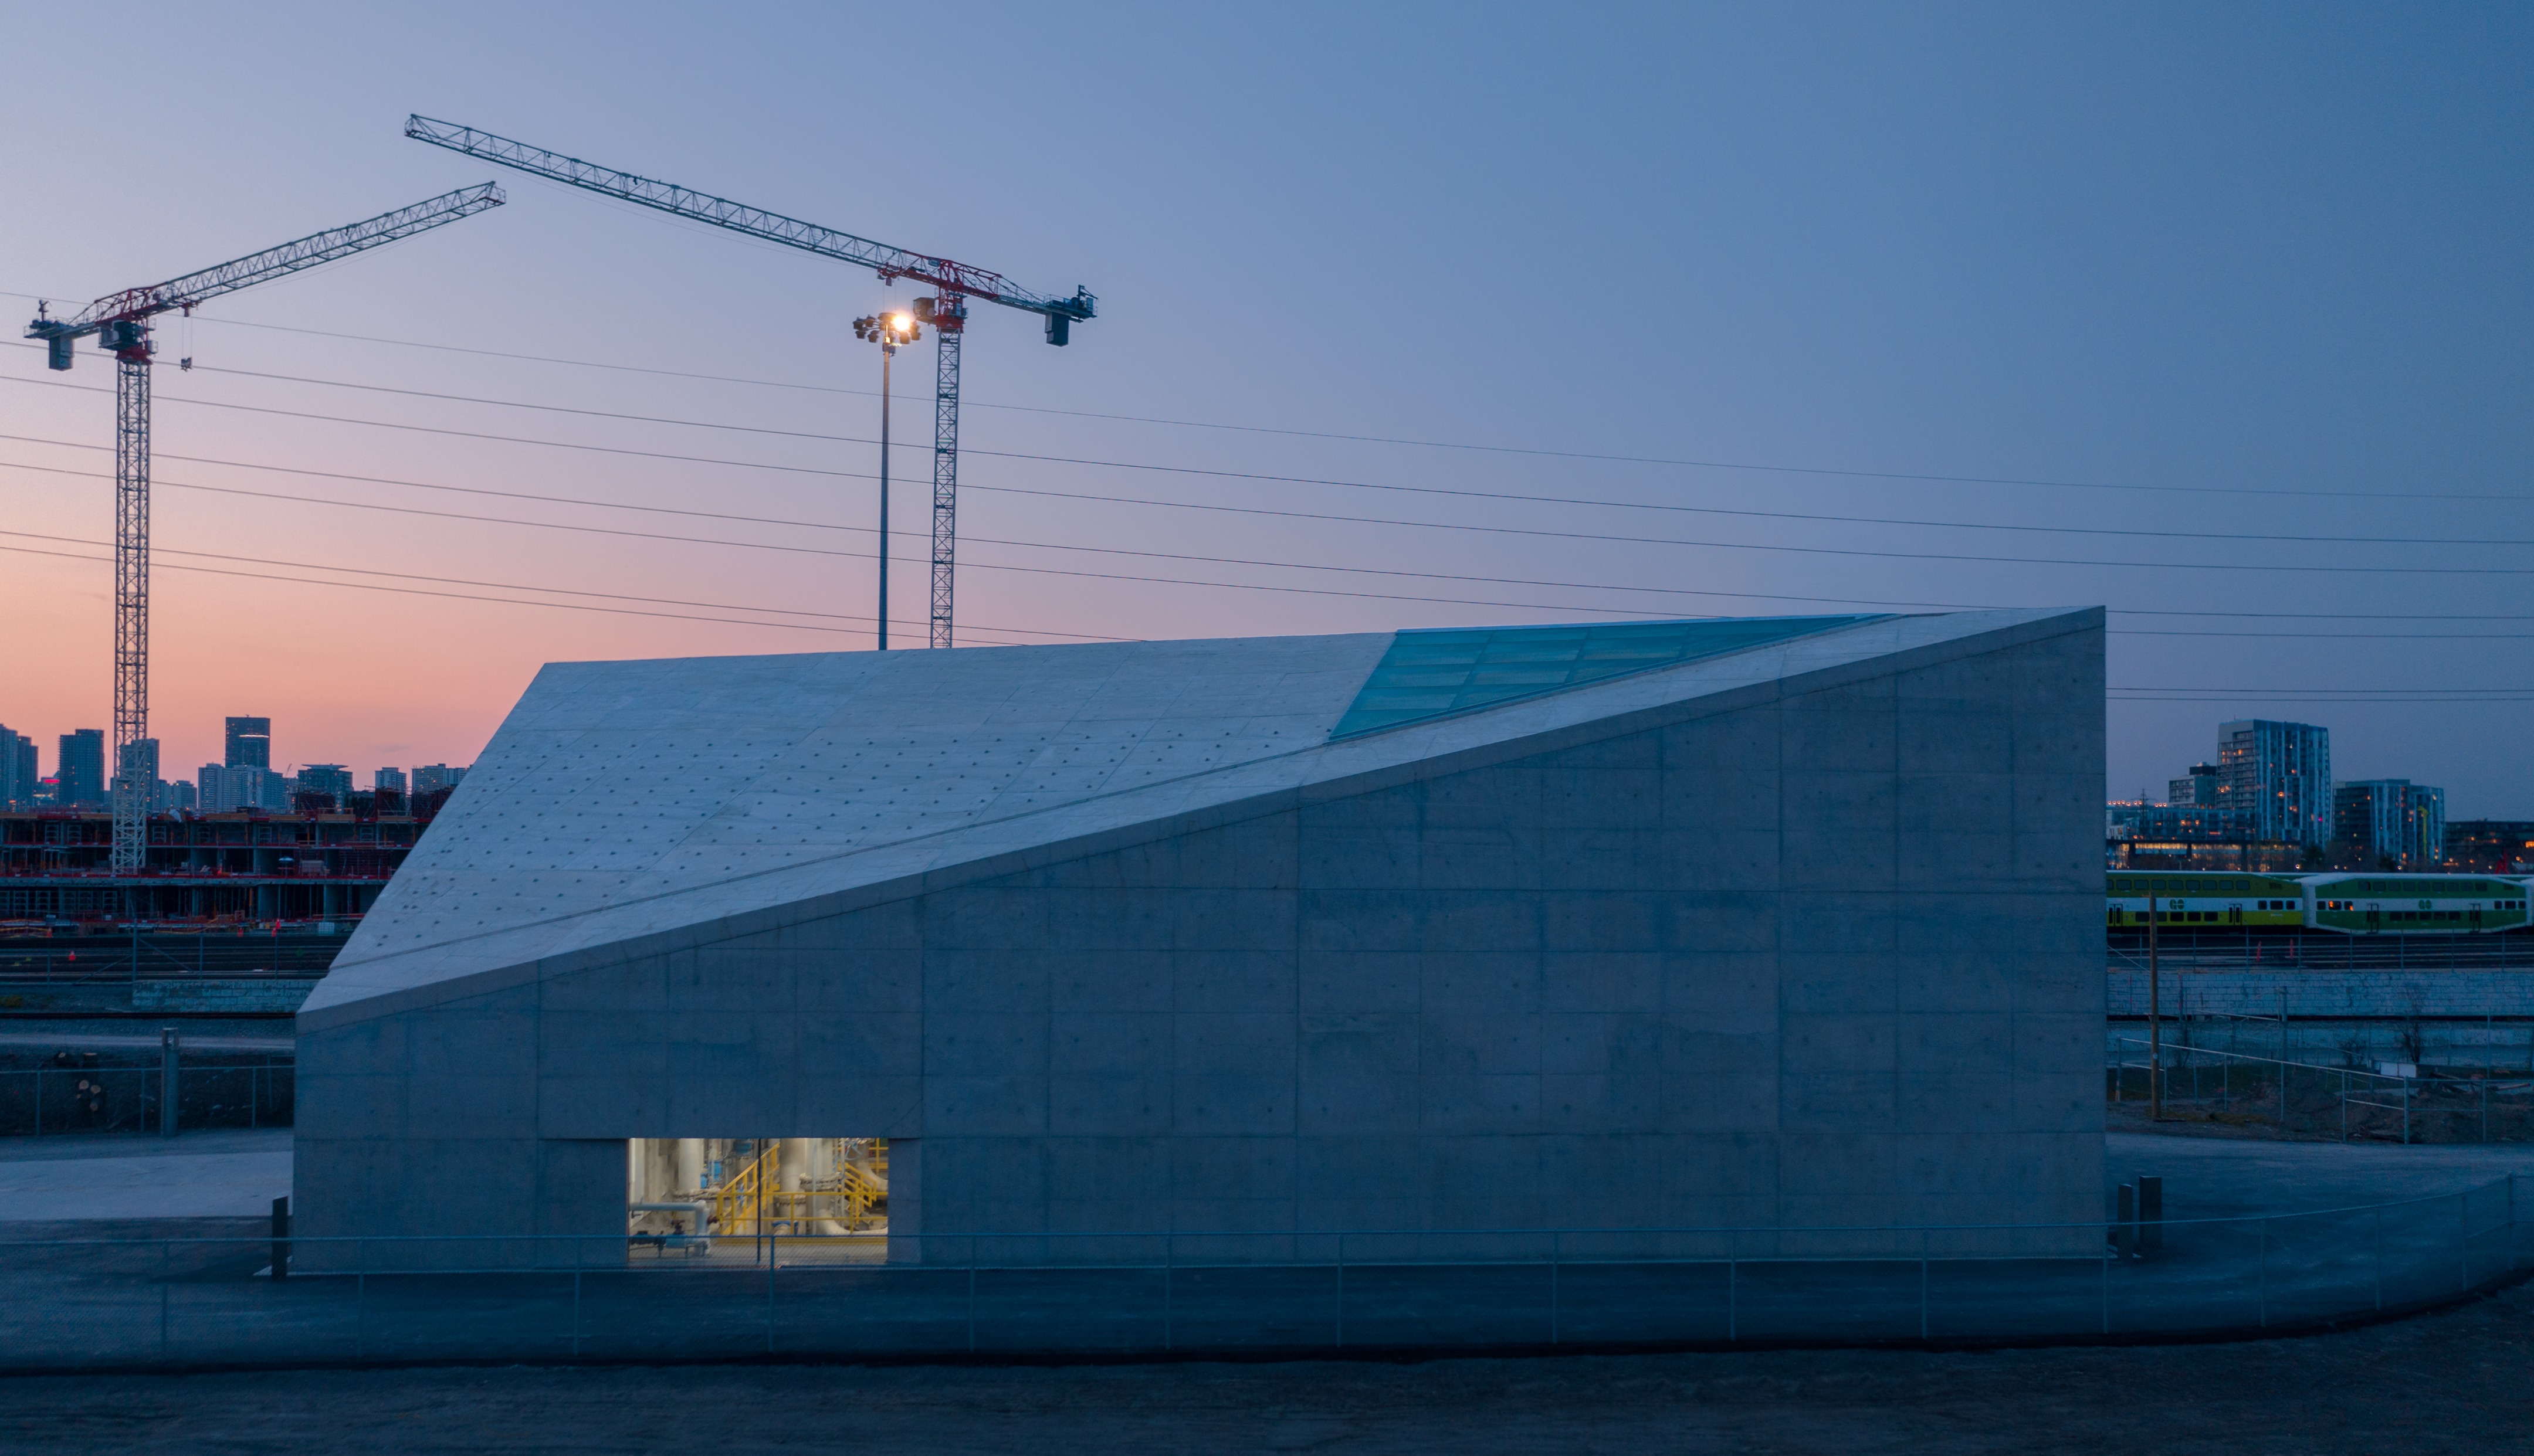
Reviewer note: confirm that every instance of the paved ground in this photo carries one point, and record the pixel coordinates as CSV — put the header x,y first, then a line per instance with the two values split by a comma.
x,y
136,1176
2450,1382
2446,1383
2226,1176
238,1174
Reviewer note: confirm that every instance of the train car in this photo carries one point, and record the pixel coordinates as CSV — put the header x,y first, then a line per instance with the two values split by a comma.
x,y
2206,898
2361,904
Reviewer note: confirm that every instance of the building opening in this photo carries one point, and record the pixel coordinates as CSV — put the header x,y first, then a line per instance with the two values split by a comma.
x,y
745,1197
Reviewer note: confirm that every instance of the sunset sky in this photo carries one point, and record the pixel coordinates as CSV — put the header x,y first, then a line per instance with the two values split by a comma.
x,y
2216,315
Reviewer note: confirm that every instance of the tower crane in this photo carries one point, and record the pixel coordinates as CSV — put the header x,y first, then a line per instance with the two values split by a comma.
x,y
954,283
121,323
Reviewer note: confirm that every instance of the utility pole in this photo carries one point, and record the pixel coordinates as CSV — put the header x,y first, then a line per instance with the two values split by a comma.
x,y
2154,1020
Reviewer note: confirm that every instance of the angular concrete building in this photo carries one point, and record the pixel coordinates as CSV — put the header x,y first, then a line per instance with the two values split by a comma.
x,y
1767,923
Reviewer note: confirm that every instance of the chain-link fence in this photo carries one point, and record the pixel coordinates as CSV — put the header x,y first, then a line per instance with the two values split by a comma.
x,y
203,1303
53,1101
2307,1099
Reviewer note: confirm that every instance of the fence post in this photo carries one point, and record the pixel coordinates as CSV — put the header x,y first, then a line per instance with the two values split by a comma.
x,y
575,1298
2463,1241
1922,1284
1341,1291
769,1286
2107,1284
2406,1112
972,1295
1169,1273
168,1050
1552,1286
2264,1286
2380,1257
1732,1297
162,1298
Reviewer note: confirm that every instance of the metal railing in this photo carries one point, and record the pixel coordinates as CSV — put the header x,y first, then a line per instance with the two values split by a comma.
x,y
300,955
2337,1101
2219,948
208,1303
53,1101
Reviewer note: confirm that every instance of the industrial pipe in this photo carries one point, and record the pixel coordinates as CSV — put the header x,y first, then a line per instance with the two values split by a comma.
x,y
697,1240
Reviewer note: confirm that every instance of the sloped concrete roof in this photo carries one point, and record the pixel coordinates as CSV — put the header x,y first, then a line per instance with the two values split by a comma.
x,y
624,799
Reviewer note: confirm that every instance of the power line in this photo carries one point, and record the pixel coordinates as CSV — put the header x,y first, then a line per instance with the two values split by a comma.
x,y
158,552
830,526
1499,529
1462,445
1182,556
1270,478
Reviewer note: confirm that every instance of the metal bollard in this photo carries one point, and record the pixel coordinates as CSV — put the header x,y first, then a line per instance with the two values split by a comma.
x,y
281,1238
168,1046
2125,1220
2150,1213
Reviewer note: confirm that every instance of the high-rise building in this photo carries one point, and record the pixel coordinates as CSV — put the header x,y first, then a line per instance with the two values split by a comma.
x,y
140,759
222,789
2392,820
433,776
325,778
2492,847
387,779
17,769
80,771
250,744
181,797
2196,789
2278,777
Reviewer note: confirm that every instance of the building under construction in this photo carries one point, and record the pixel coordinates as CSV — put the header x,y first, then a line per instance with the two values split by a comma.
x,y
56,865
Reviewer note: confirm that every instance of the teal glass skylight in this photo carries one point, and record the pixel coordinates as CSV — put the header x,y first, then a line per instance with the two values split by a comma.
x,y
1431,673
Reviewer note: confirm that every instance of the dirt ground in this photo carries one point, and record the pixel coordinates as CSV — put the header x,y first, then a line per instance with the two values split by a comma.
x,y
2456,1382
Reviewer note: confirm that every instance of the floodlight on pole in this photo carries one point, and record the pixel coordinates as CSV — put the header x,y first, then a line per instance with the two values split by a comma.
x,y
888,332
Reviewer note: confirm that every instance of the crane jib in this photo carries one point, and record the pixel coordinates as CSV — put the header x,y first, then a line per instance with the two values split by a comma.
x,y
273,262
702,206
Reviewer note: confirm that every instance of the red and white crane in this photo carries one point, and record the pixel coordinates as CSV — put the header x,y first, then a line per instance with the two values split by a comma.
x,y
121,323
953,283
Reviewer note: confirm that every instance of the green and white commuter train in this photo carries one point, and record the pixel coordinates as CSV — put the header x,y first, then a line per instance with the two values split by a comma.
x,y
2351,903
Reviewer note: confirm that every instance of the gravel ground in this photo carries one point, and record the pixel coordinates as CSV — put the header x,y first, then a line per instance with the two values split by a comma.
x,y
2456,1381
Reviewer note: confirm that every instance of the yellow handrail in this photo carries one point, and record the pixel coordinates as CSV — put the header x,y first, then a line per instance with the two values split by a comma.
x,y
739,1200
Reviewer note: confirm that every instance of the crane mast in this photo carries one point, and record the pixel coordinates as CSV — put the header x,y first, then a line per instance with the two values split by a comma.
x,y
954,283
121,323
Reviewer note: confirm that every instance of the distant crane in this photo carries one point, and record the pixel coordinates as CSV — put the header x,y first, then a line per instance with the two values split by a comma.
x,y
121,323
956,282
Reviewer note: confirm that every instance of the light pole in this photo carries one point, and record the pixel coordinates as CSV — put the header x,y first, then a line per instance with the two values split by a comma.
x,y
888,331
